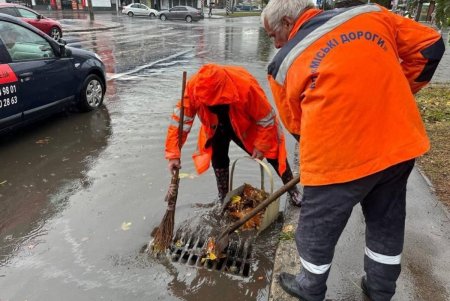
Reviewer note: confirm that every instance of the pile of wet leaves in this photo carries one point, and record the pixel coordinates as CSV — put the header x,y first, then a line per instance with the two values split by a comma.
x,y
240,205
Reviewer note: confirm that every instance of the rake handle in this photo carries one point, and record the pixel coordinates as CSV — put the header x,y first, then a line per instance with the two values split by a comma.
x,y
261,206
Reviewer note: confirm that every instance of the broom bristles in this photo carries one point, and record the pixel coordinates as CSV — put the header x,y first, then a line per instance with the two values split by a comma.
x,y
163,236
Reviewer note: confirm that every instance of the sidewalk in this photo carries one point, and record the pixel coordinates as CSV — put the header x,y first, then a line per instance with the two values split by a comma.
x,y
78,21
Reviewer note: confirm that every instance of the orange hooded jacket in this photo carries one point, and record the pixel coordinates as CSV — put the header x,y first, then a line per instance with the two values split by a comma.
x,y
344,82
252,117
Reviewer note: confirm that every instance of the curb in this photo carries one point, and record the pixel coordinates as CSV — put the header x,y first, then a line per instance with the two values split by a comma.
x,y
92,29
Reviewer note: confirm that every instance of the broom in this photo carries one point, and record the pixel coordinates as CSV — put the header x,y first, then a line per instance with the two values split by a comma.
x,y
162,237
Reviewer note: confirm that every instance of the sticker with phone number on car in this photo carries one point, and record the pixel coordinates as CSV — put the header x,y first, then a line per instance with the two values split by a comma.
x,y
7,75
8,87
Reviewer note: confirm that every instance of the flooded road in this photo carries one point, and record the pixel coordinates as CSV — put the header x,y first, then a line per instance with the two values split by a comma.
x,y
80,193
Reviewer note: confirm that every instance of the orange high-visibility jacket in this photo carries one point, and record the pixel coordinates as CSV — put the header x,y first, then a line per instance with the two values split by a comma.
x,y
344,82
252,117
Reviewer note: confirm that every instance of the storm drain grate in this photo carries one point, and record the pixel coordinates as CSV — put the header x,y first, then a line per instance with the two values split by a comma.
x,y
189,250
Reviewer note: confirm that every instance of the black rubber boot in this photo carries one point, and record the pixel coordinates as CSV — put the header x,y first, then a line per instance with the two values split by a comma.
x,y
222,178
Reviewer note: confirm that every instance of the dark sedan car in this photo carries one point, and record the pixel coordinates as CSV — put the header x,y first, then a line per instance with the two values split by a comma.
x,y
186,13
47,25
39,76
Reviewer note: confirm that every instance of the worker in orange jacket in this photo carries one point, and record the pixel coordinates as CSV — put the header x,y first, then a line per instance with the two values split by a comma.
x,y
231,106
344,82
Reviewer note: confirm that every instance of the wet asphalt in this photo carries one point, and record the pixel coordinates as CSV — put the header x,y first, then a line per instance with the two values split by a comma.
x,y
80,193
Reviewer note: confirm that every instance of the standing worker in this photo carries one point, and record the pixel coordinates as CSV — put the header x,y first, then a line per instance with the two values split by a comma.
x,y
344,81
231,106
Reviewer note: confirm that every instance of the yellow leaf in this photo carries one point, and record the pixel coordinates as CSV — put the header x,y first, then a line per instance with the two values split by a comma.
x,y
235,199
212,256
126,226
288,228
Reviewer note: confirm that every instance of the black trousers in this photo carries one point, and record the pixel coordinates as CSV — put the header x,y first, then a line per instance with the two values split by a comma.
x,y
220,144
324,214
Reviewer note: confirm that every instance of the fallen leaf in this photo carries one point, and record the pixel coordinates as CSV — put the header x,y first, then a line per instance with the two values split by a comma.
x,y
288,228
126,226
235,199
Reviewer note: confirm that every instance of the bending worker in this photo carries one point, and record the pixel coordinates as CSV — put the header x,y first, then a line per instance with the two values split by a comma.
x,y
231,106
344,80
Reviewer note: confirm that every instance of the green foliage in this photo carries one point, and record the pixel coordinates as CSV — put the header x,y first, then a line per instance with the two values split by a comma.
x,y
442,13
434,104
290,235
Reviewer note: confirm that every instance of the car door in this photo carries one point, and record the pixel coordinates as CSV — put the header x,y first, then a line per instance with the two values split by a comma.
x,y
182,13
30,17
145,10
135,9
174,12
46,80
142,10
10,106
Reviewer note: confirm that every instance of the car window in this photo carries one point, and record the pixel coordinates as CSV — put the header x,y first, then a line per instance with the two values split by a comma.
x,y
144,7
25,13
183,9
23,44
9,11
135,6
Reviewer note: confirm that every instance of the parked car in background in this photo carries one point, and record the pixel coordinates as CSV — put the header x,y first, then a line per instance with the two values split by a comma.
x,y
246,7
49,26
186,13
40,76
138,9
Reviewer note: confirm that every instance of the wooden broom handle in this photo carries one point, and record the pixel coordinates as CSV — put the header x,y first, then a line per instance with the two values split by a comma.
x,y
180,124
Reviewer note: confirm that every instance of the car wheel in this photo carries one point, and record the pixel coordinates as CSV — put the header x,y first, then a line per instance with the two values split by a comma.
x,y
55,33
152,15
130,14
188,19
163,17
92,92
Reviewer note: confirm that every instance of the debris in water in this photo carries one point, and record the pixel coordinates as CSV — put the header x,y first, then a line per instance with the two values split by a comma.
x,y
126,226
241,205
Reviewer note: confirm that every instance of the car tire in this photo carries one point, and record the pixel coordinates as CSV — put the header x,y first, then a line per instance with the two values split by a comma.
x,y
55,33
188,19
92,93
130,14
152,15
163,17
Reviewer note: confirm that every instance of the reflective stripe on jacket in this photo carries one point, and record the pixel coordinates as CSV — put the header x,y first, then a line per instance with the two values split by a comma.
x,y
344,82
252,117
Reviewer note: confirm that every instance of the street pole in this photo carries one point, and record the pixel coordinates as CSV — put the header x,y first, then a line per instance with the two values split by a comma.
x,y
91,12
117,6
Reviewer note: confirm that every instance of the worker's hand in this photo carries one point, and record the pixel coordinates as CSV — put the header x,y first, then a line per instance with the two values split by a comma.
x,y
174,165
257,154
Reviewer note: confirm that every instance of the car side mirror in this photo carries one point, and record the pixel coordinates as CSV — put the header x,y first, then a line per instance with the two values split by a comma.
x,y
39,17
64,51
